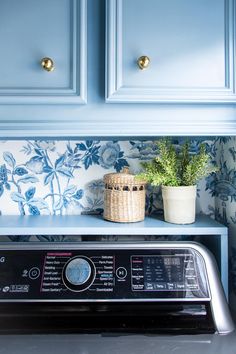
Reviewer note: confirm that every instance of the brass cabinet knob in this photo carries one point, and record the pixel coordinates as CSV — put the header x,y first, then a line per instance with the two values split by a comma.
x,y
47,64
143,62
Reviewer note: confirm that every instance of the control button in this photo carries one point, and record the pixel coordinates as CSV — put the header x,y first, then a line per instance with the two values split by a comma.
x,y
180,286
79,273
34,273
121,273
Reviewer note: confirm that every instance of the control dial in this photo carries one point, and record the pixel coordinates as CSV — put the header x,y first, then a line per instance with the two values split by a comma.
x,y
79,273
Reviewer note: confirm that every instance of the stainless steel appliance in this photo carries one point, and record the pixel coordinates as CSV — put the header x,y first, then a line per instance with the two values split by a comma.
x,y
111,287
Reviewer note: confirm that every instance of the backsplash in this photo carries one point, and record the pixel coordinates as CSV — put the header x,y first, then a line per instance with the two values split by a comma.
x,y
65,177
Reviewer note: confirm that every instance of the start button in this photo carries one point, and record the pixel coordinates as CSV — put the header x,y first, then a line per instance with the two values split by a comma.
x,y
121,273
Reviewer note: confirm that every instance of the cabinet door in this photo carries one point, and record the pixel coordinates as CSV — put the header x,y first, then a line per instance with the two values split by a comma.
x,y
31,30
190,45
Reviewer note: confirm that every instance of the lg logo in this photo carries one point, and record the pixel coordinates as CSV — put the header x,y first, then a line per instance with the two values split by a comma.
x,y
2,259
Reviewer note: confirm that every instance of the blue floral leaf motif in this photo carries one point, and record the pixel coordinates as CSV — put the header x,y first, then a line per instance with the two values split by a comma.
x,y
69,149
1,190
95,149
28,179
20,171
3,174
75,156
17,197
65,172
52,238
49,178
96,186
33,210
35,164
79,194
38,152
224,140
95,159
46,238
7,186
132,143
45,145
47,169
65,202
20,238
121,154
90,201
87,162
96,142
94,154
58,204
26,149
70,190
89,143
233,153
40,203
120,164
81,147
29,194
8,157
59,162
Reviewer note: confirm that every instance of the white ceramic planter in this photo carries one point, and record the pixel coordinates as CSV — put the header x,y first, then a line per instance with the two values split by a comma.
x,y
179,204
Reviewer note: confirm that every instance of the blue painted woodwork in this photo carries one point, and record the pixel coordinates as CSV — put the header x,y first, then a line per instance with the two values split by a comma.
x,y
98,119
33,30
90,225
96,225
190,45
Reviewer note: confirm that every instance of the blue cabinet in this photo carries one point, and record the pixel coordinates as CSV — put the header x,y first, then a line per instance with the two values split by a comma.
x,y
190,45
188,89
32,30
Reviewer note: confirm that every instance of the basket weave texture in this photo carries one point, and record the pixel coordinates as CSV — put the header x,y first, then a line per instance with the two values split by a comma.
x,y
124,197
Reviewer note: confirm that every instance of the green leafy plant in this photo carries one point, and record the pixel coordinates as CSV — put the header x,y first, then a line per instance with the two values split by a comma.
x,y
174,167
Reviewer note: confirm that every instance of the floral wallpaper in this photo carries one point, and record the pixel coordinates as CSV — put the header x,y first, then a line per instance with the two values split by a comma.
x,y
65,177
223,188
40,177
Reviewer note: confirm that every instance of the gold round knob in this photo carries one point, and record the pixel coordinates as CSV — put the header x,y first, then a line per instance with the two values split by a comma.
x,y
47,64
143,62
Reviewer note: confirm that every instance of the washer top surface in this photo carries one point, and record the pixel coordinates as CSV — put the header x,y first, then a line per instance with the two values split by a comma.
x,y
133,344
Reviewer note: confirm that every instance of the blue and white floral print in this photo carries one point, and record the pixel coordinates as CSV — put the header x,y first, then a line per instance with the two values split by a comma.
x,y
142,150
57,177
110,155
52,180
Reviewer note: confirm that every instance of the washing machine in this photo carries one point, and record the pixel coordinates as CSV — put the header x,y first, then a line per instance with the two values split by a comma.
x,y
105,297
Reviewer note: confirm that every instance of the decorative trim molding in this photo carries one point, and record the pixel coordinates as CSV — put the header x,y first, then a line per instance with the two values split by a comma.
x,y
77,92
116,92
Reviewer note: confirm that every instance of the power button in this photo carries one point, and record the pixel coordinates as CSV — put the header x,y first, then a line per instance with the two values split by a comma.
x,y
34,273
121,272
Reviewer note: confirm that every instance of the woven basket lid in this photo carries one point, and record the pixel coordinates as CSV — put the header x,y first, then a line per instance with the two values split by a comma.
x,y
124,177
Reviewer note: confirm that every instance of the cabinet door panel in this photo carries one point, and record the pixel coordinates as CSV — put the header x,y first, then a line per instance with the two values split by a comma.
x,y
31,30
189,43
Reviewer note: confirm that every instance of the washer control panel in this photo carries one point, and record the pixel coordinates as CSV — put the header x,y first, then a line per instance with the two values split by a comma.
x,y
86,273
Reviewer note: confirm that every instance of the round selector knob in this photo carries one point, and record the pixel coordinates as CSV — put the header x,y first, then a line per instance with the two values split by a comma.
x,y
79,273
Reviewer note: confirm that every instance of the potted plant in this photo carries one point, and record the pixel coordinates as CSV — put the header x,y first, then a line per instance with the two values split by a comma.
x,y
177,171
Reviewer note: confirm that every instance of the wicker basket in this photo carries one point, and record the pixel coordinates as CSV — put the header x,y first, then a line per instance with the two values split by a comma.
x,y
124,197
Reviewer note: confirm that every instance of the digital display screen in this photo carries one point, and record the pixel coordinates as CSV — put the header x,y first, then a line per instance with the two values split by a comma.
x,y
164,273
175,261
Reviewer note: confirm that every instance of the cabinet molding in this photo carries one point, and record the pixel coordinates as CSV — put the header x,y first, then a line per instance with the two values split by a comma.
x,y
76,90
117,91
